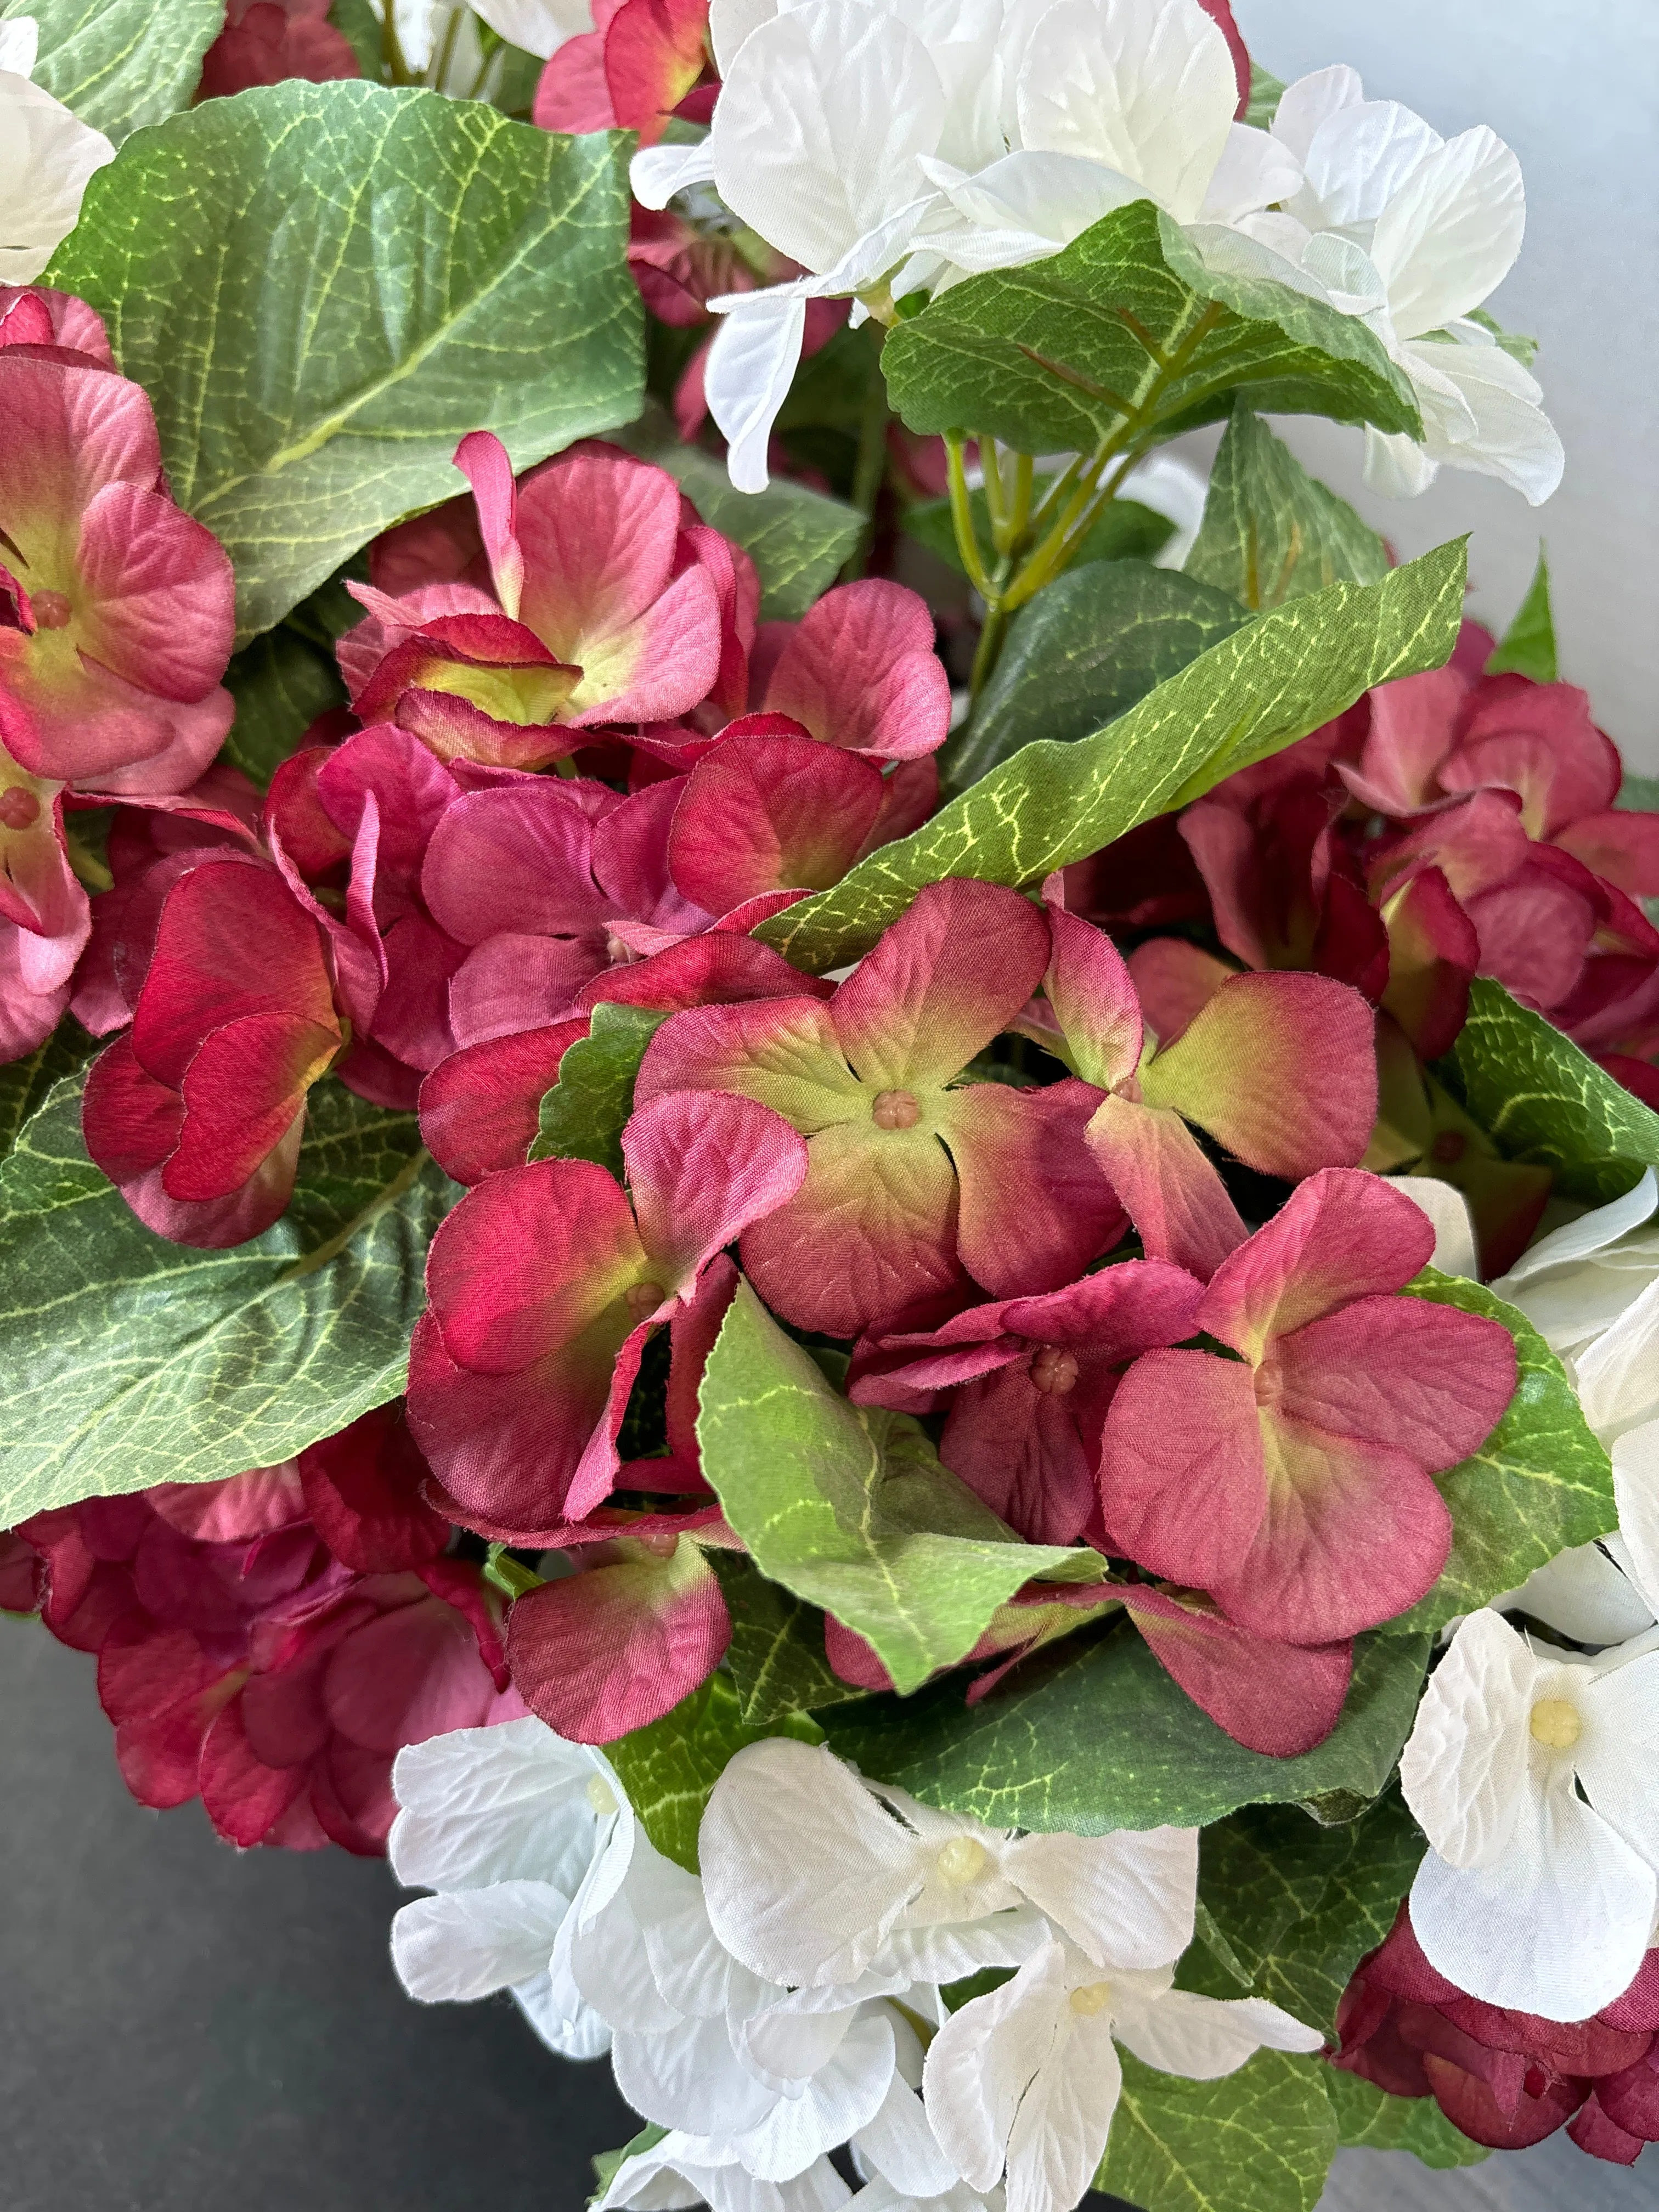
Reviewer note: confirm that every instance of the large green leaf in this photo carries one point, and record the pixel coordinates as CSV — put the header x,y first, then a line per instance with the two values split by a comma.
x,y
125,1360
1541,1099
1081,653
1527,646
797,539
1368,2118
776,1655
1271,532
281,684
1126,333
1124,531
1260,689
584,1113
323,286
1092,1734
849,1507
120,63
1261,2140
26,1084
669,1768
1540,1483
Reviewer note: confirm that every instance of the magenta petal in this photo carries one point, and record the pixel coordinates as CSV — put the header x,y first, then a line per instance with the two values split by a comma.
x,y
1183,1481
482,459
480,1110
763,814
1173,1194
1019,1448
1174,980
517,858
1402,1373
716,970
511,983
1279,1698
860,671
1035,1207
1090,989
702,1167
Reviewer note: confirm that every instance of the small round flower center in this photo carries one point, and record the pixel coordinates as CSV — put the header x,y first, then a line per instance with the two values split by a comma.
x,y
1556,1723
51,610
642,1300
896,1110
662,1545
962,1860
1093,1997
19,808
1053,1370
600,1795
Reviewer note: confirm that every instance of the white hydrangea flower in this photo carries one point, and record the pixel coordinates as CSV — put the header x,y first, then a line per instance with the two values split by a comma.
x,y
1535,1778
669,2176
538,26
47,158
1028,2078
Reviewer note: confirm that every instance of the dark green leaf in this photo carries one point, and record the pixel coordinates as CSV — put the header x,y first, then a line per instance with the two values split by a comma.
x,y
120,63
585,1112
26,1084
1261,2140
670,1768
1271,532
1270,683
1540,1099
1527,646
1638,794
359,24
281,684
1126,530
1368,2118
323,286
125,1360
1541,1484
1092,1734
1125,333
776,1655
1083,653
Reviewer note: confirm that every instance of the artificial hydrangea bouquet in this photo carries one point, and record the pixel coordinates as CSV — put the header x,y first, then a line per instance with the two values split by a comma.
x,y
848,1197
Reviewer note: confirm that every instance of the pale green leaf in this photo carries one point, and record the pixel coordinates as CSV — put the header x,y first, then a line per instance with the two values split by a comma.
x,y
776,1655
1266,90
1527,646
1368,2118
1513,342
583,1115
126,1360
1261,2140
670,1768
1271,532
121,63
1258,690
324,287
1638,794
608,2163
849,1506
281,684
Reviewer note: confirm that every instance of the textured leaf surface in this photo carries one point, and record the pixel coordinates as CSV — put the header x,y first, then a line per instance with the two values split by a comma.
x,y
1261,2140
1126,530
1259,690
24,1085
583,1115
1083,653
1539,1099
849,1507
1271,532
120,63
776,1654
668,1769
125,1360
1368,2118
797,538
1125,333
1539,1485
324,287
281,684
1092,1734
1527,646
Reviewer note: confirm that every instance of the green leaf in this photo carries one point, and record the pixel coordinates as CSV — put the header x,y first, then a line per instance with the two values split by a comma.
x,y
608,2163
1124,531
1084,652
1127,334
281,684
1524,350
1261,2140
1368,2118
26,1084
323,286
120,63
360,26
849,1506
1638,794
1271,532
1092,1734
1540,1099
129,1361
797,539
1541,1484
776,1654
1258,690
1266,90
585,1112
1527,646
670,1768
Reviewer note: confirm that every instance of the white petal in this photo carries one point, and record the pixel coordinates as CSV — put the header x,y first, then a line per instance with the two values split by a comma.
x,y
1022,208
985,2058
1059,2135
449,1949
578,2032
1636,1489
1255,170
746,380
1447,1209
691,1967
46,159
789,2040
689,2077
1174,488
657,173
1507,435
730,22
1451,233
836,2102
1582,1593
1555,1925
670,2174
1203,2038
1397,466
1618,1376
1591,1232
20,44
1465,1769
1358,159
608,1960
950,1952
1618,1757
1305,104
1125,1899
902,2147
496,1804
539,27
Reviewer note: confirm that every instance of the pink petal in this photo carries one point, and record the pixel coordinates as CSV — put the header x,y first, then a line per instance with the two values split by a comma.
x,y
654,54
1278,1699
1412,730
362,1490
245,1088
411,1674
737,589
1171,1192
909,794
759,814
860,671
1624,847
511,981
782,1051
1183,1482
717,969
519,860
1017,1447
1173,980
572,93
1089,987
660,666
702,1169
1034,1206
481,1108
1433,950
1539,740
161,604
482,459
1420,1378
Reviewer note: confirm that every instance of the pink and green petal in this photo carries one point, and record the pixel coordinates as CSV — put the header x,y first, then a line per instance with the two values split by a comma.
x,y
654,52
517,858
510,980
482,460
1183,1480
243,1090
783,1052
860,671
1434,950
1412,729
1280,1069
1622,847
1275,1697
481,1108
719,969
1019,1448
1093,997
1398,1373
702,1169
1170,1190
760,814
1035,1207
1175,981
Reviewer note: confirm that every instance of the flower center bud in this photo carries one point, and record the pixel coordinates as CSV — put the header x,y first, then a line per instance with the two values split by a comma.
x,y
51,610
600,1795
962,1860
19,808
896,1110
662,1545
1053,1370
1093,1997
642,1300
1556,1723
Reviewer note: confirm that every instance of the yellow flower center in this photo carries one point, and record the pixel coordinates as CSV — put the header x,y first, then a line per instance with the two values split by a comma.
x,y
1093,1997
600,1795
1556,1723
962,1860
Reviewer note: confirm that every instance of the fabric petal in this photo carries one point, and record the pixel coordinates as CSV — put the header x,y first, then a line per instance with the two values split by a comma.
x,y
1170,1190
448,1949
1202,2038
1125,1899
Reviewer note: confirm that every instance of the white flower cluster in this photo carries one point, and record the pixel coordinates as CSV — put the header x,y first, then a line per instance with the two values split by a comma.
x,y
892,146
1535,1773
790,2002
46,158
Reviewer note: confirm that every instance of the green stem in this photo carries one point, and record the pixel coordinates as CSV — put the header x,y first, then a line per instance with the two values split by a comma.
x,y
869,468
392,52
447,51
511,1577
1019,515
996,506
962,519
989,649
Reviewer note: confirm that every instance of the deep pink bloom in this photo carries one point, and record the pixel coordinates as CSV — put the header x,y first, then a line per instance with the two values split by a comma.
x,y
268,41
44,917
544,1283
1507,2079
643,62
1294,1482
858,670
916,1178
678,269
